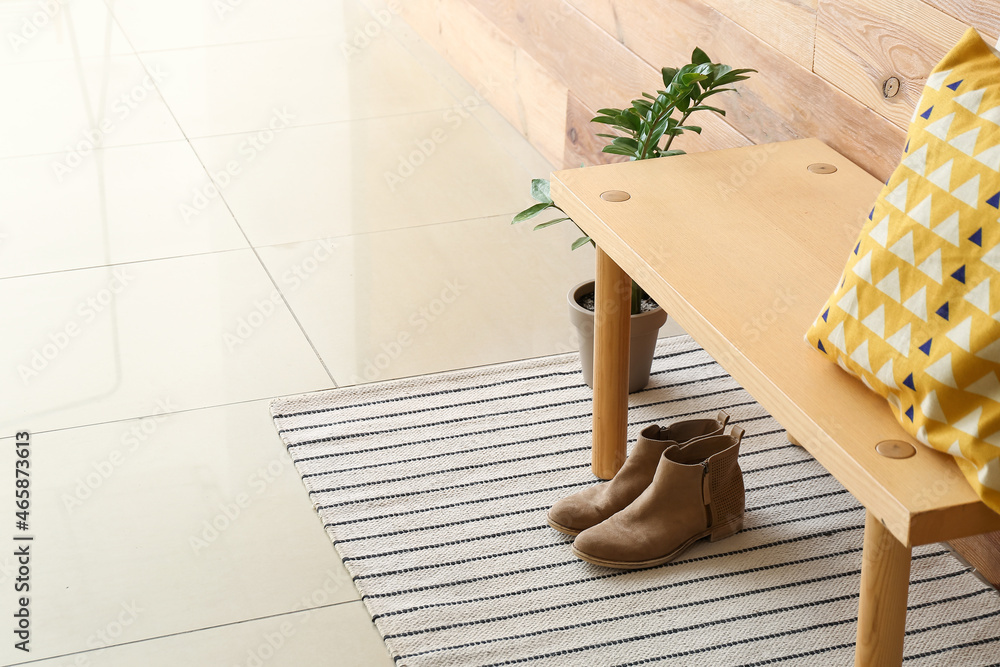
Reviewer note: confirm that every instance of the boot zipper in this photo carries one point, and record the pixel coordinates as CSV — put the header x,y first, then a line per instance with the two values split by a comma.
x,y
706,493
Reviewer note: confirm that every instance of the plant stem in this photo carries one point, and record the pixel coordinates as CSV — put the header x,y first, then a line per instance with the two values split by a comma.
x,y
666,112
683,118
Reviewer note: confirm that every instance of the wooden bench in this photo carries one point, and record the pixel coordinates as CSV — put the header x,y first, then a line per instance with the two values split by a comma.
x,y
742,247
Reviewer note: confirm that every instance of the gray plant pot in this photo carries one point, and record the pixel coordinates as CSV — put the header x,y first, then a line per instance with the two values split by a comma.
x,y
642,343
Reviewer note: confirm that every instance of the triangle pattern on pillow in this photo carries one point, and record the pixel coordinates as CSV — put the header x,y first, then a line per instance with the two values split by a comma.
x,y
990,157
919,319
931,266
876,321
966,142
898,196
936,79
880,232
917,304
968,192
931,407
903,248
849,302
988,386
941,176
991,352
885,375
971,100
962,334
900,341
970,422
917,160
991,258
890,285
948,229
992,115
863,269
922,212
979,296
939,128
860,356
942,371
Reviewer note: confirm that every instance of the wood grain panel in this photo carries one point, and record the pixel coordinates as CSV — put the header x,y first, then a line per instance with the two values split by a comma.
x,y
983,553
572,47
582,145
601,12
983,15
861,44
482,54
783,101
568,44
421,15
507,78
787,25
541,106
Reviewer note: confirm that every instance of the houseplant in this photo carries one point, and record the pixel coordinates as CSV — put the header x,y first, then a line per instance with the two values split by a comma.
x,y
641,127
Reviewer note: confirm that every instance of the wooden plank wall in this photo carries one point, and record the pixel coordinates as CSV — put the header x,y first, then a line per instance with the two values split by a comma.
x,y
823,64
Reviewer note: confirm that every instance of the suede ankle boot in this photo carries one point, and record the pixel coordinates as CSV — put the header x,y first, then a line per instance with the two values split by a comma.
x,y
697,492
593,505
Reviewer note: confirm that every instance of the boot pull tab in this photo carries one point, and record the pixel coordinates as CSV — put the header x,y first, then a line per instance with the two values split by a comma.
x,y
722,418
737,433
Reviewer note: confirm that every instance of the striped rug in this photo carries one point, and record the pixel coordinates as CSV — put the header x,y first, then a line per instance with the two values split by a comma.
x,y
434,490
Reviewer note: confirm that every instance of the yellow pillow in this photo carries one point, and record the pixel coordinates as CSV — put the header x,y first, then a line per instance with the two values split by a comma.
x,y
917,313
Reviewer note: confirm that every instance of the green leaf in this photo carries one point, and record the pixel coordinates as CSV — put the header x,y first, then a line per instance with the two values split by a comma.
x,y
720,70
690,77
674,151
604,119
734,76
580,242
641,106
715,91
543,225
699,57
631,120
626,142
531,212
540,190
693,128
705,107
668,75
608,136
618,150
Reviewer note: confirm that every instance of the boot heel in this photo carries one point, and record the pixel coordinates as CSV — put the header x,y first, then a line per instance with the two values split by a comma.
x,y
727,530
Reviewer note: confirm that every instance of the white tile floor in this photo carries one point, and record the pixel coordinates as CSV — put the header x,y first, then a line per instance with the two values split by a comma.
x,y
196,217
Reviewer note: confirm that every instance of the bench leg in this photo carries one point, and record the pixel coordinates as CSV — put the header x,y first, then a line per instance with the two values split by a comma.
x,y
885,580
612,315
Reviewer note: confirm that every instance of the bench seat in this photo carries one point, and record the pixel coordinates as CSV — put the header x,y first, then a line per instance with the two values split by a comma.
x,y
742,248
